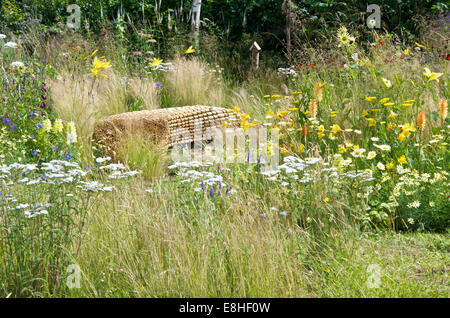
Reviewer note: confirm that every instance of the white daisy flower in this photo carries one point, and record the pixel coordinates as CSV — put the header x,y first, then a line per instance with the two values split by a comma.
x,y
414,204
347,162
383,147
358,152
371,155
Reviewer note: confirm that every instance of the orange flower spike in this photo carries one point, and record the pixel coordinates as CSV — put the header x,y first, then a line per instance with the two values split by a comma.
x,y
443,108
304,131
318,92
312,108
421,120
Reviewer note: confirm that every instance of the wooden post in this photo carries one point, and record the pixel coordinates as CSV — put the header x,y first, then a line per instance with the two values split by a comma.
x,y
256,49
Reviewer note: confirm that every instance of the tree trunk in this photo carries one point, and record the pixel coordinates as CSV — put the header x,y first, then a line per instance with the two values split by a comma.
x,y
286,8
195,21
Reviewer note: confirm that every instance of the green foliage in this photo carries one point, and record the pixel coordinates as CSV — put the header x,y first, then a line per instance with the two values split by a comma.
x,y
26,122
423,202
38,248
321,18
233,19
10,12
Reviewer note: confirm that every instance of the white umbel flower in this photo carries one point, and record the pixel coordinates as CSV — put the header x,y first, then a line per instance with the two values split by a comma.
x,y
12,45
17,64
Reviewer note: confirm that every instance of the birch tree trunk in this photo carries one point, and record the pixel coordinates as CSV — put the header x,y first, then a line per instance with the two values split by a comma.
x,y
195,21
286,8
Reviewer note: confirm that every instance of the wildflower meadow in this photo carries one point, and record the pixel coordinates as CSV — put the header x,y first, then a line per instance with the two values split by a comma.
x,y
355,203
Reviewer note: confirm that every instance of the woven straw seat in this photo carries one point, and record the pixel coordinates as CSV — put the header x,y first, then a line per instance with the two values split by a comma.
x,y
166,126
